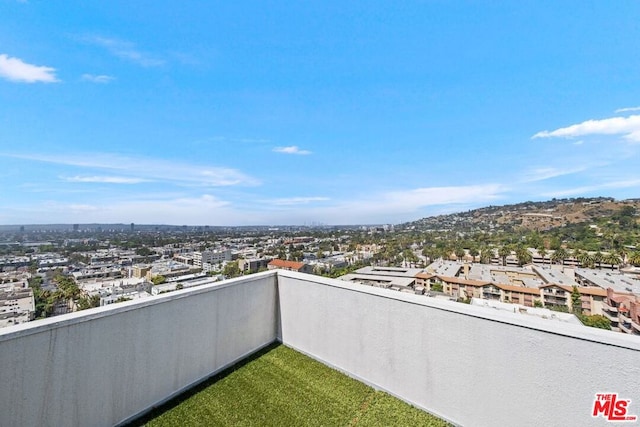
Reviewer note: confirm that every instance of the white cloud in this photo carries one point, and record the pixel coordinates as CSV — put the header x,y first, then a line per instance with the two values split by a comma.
x,y
623,110
202,209
16,70
290,201
627,126
105,179
584,190
544,173
101,78
431,196
293,149
148,169
125,50
398,206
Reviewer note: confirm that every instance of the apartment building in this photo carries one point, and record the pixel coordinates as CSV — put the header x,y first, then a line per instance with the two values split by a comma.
x,y
211,257
17,305
252,265
623,310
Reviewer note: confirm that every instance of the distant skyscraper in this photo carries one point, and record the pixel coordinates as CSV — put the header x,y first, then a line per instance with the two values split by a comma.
x,y
75,227
132,225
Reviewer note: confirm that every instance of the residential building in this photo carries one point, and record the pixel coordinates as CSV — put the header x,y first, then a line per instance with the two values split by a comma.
x,y
281,264
253,265
623,310
211,257
17,305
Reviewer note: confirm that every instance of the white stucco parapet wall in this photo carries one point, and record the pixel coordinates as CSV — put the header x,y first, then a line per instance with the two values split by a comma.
x,y
471,366
102,366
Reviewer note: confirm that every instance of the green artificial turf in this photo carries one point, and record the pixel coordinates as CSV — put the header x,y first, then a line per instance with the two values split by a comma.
x,y
281,387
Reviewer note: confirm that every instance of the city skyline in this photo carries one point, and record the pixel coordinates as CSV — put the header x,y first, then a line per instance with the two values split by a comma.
x,y
327,112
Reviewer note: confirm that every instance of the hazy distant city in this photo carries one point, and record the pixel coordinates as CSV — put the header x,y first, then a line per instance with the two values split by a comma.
x,y
571,260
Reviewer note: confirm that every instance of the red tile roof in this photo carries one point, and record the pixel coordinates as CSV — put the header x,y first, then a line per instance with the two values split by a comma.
x,y
291,265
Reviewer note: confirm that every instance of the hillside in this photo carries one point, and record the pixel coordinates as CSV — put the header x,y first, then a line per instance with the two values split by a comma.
x,y
538,216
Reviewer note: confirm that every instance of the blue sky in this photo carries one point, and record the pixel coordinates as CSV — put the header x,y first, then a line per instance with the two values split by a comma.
x,y
269,112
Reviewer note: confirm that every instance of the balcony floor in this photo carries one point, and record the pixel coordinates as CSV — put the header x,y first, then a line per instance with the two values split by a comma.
x,y
279,386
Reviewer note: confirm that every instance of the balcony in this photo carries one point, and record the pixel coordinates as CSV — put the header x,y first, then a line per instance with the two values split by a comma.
x,y
612,317
109,365
625,327
610,308
555,301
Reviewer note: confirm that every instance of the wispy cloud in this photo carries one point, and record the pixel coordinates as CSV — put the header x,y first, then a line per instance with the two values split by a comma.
x,y
624,110
430,196
99,78
291,201
587,189
293,149
16,70
105,179
544,173
629,127
401,205
125,50
148,168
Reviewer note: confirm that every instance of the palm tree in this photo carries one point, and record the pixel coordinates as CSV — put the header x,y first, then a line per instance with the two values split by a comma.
x,y
524,257
543,253
586,260
474,253
485,255
612,258
634,258
623,253
504,252
598,258
559,255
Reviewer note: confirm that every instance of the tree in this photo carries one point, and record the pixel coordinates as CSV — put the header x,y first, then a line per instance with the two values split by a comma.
x,y
598,257
485,255
504,252
543,253
596,321
156,280
634,258
143,251
585,259
474,253
88,302
231,270
436,287
559,256
611,258
576,301
67,286
523,255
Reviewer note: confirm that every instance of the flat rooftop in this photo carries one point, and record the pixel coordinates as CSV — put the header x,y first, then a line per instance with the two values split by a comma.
x,y
280,386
